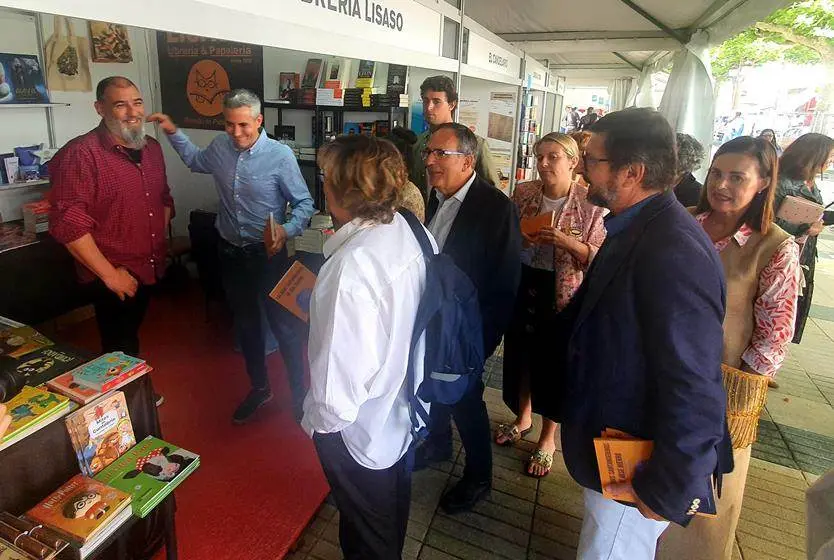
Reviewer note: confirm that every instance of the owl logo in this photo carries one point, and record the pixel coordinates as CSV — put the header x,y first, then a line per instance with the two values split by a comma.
x,y
206,86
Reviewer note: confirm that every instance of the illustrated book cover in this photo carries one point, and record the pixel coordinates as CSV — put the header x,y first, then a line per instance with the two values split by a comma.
x,y
101,432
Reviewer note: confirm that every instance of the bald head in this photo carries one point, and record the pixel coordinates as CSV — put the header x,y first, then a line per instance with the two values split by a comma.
x,y
112,81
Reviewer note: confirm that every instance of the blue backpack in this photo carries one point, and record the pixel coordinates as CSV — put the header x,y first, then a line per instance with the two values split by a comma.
x,y
450,316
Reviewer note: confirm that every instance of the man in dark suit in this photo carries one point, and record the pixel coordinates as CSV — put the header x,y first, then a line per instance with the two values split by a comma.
x,y
644,346
478,226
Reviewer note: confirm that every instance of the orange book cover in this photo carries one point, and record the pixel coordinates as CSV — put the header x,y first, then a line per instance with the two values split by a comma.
x,y
531,226
295,289
618,460
80,508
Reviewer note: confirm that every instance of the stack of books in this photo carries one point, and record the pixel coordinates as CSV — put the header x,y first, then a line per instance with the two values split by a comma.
x,y
330,97
353,97
19,341
90,380
31,410
83,511
307,153
388,100
304,96
149,471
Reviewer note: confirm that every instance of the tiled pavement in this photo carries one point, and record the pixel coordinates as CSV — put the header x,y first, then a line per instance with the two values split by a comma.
x,y
527,518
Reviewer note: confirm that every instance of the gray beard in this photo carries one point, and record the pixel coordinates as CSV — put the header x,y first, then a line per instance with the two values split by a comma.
x,y
134,139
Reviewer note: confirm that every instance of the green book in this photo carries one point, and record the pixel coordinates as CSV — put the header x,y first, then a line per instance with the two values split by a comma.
x,y
149,471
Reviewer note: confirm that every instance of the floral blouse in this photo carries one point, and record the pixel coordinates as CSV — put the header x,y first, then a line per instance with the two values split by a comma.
x,y
578,218
775,305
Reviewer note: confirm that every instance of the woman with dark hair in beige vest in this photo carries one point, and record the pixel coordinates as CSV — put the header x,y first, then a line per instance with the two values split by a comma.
x,y
761,266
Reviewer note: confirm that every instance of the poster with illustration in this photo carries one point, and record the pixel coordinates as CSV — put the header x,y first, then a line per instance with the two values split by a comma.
x,y
197,72
21,79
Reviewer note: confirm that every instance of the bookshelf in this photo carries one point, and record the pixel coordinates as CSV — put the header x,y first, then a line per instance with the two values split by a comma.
x,y
529,130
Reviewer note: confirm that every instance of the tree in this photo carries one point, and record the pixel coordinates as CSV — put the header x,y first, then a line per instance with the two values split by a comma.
x,y
801,33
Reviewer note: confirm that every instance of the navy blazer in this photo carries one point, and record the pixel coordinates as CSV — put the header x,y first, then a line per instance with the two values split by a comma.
x,y
485,243
644,356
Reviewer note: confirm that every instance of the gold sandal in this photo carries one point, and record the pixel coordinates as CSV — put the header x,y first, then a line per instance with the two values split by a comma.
x,y
541,458
510,433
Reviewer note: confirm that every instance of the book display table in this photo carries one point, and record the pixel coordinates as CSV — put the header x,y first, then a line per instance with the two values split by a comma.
x,y
35,466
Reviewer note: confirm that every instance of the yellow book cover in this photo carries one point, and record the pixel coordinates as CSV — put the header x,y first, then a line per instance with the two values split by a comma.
x,y
618,460
295,289
30,407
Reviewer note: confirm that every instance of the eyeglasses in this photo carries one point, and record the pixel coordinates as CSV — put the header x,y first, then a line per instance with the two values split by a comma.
x,y
590,160
440,154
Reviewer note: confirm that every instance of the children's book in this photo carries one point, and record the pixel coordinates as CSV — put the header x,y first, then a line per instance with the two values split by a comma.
x,y
150,470
531,226
66,385
45,364
107,371
19,341
80,509
101,432
31,410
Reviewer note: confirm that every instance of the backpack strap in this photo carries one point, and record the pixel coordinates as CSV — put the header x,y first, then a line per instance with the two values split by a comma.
x,y
415,408
418,231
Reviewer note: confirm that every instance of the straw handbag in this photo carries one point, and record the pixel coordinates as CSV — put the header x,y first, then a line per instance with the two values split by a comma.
x,y
746,397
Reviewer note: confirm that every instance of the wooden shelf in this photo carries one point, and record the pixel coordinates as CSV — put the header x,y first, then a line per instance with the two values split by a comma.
x,y
24,185
31,105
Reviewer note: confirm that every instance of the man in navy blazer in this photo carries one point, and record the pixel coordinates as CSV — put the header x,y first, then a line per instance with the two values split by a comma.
x,y
644,350
478,226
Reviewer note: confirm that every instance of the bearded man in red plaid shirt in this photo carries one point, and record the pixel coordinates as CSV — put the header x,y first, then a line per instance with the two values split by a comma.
x,y
110,206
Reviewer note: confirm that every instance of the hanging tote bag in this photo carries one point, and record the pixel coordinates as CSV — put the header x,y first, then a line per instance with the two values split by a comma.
x,y
67,59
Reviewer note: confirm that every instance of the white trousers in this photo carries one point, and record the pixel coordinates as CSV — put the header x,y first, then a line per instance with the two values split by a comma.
x,y
612,531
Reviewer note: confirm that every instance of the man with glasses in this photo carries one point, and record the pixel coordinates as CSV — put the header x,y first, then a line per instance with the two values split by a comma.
x,y
478,227
440,99
642,344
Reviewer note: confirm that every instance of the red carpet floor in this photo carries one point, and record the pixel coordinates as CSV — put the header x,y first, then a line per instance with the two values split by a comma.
x,y
258,484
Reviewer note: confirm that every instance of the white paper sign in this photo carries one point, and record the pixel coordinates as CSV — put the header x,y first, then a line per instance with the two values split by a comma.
x,y
487,56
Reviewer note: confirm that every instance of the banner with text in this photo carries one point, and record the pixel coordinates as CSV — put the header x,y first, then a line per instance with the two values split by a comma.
x,y
196,72
487,56
403,23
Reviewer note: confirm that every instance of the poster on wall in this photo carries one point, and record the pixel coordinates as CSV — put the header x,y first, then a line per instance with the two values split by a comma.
x,y
468,114
197,72
21,79
109,42
501,116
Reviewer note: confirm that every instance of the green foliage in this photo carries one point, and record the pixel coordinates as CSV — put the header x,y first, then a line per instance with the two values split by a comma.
x,y
808,21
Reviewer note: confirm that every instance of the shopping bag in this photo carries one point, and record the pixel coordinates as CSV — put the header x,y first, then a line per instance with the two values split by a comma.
x,y
67,59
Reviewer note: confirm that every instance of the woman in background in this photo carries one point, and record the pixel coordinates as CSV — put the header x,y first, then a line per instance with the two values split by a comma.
x,y
581,138
769,135
554,263
690,155
412,199
808,156
761,267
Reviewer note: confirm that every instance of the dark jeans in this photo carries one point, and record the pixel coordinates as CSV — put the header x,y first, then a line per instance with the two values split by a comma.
x,y
470,414
373,504
119,321
248,277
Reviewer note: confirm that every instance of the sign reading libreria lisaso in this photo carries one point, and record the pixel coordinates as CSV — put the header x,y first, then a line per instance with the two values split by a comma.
x,y
366,10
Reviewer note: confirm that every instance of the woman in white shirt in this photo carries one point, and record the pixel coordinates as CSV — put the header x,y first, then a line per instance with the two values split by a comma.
x,y
362,317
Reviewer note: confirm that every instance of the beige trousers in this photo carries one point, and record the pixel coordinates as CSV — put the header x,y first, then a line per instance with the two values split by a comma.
x,y
710,538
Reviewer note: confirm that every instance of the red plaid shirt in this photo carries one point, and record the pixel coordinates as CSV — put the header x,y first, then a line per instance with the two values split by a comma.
x,y
98,189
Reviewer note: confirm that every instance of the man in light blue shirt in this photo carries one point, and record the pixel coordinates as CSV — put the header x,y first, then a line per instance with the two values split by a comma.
x,y
255,177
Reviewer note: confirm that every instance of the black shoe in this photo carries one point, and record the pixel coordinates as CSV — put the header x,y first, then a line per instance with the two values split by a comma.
x,y
428,454
253,401
160,400
464,495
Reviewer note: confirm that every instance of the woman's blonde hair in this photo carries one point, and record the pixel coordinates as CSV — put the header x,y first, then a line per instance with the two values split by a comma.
x,y
365,174
568,144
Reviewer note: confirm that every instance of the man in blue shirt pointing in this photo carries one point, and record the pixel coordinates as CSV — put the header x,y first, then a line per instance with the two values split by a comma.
x,y
255,177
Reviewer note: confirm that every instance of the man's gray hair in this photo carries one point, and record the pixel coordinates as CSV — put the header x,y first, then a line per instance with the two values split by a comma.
x,y
243,98
467,141
690,153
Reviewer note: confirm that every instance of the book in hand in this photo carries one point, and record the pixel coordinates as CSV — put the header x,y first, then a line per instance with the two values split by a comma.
x,y
19,341
531,226
82,509
108,370
799,210
620,455
295,290
101,432
31,410
45,364
149,471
